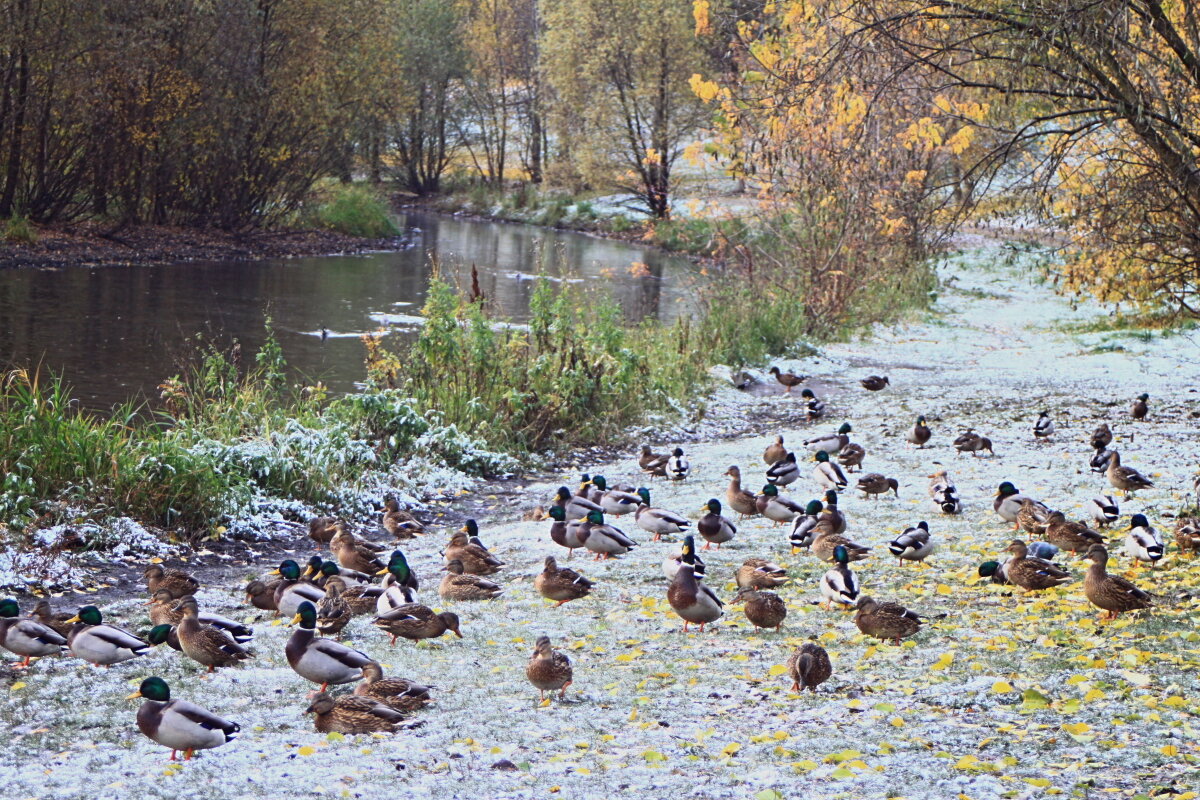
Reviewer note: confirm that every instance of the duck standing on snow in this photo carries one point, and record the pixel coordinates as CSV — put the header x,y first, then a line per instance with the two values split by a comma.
x,y
920,433
784,472
658,521
1140,407
465,546
415,622
944,493
615,501
1032,574
1127,479
827,474
319,660
738,498
26,637
399,585
972,442
713,527
561,584
851,456
563,533
549,670
809,667
775,451
1111,593
1102,437
677,465
100,644
354,553
1099,460
606,541
840,585
1031,516
886,621
831,443
1187,535
804,526
205,644
832,515
1044,427
788,380
1104,510
399,522
1142,541
814,408
763,609
914,544
875,383
672,561
694,602
652,463
1008,502
775,508
873,484
290,592
574,506
178,724
1067,535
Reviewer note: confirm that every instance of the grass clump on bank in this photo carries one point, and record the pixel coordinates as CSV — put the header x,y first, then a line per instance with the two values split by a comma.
x,y
352,209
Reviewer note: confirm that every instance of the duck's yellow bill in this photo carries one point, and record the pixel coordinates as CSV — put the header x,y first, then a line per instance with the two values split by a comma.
x,y
74,619
133,696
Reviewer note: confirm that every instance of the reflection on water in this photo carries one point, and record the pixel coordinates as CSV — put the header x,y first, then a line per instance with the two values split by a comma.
x,y
117,332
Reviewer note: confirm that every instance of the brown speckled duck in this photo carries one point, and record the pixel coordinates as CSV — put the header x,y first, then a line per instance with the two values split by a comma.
x,y
739,499
397,693
1032,574
205,644
415,622
457,585
809,667
352,714
1067,535
176,581
476,560
549,670
887,621
763,609
561,584
759,573
1111,593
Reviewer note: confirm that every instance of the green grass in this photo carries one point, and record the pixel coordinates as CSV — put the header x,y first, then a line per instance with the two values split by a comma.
x,y
354,210
1144,325
18,230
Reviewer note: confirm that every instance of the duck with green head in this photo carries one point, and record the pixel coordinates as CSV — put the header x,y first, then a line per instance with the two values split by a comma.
x,y
614,501
26,637
804,527
831,443
694,602
602,539
776,508
292,591
178,724
399,584
828,475
840,585
322,661
1008,501
658,521
784,472
713,527
362,599
564,533
920,433
100,644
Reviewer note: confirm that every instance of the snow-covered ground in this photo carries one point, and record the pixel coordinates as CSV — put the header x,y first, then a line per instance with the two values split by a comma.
x,y
1006,696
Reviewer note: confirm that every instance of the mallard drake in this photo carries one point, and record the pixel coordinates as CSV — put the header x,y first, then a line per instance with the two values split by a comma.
x,y
653,464
944,493
840,585
874,383
788,380
352,714
27,638
851,456
886,621
321,530
164,634
914,544
563,533
738,498
175,581
476,560
775,451
606,541
778,509
1127,479
399,585
457,585
831,443
399,522
1100,459
873,484
996,571
614,501
1102,437
178,724
1187,534
1142,541
1044,427
290,592
825,545
261,594
351,553
1032,574
677,465
784,472
1111,593
814,408
809,667
549,670
763,609
804,527
713,527
415,622
100,644
573,505
54,620
322,661
1140,407
920,433
396,693
971,442
658,521
1104,510
692,600
1031,516
561,584
672,560
1066,535
827,474
1008,502
333,612
758,573
204,644
165,611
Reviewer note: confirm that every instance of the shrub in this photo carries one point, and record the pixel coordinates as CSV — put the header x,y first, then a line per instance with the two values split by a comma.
x,y
18,230
354,210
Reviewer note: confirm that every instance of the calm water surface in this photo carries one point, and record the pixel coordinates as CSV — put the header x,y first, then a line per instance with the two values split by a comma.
x,y
115,333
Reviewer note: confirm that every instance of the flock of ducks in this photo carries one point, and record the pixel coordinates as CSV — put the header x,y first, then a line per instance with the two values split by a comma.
x,y
362,578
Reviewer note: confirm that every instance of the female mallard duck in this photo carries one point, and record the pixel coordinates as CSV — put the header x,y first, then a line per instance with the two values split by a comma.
x,y
758,573
333,612
361,598
1127,479
399,522
788,380
1032,574
1008,502
804,527
457,585
352,714
1140,407
658,521
831,443
784,472
825,545
573,505
827,474
1044,427
763,609
690,598
914,544
1142,541
100,644
775,451
261,594
26,637
175,581
351,553
778,509
1067,535
653,464
1102,437
713,527
809,667
614,501
1111,593
814,408
205,644
920,433
399,586
1187,535
873,484
291,591
1031,516
322,661
563,533
738,498
561,584
944,493
321,530
548,669
875,383
54,620
476,560
832,514
415,622
1104,510
178,724
840,585
971,442
672,561
395,693
677,465
998,570
851,456
886,621
606,541
165,611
